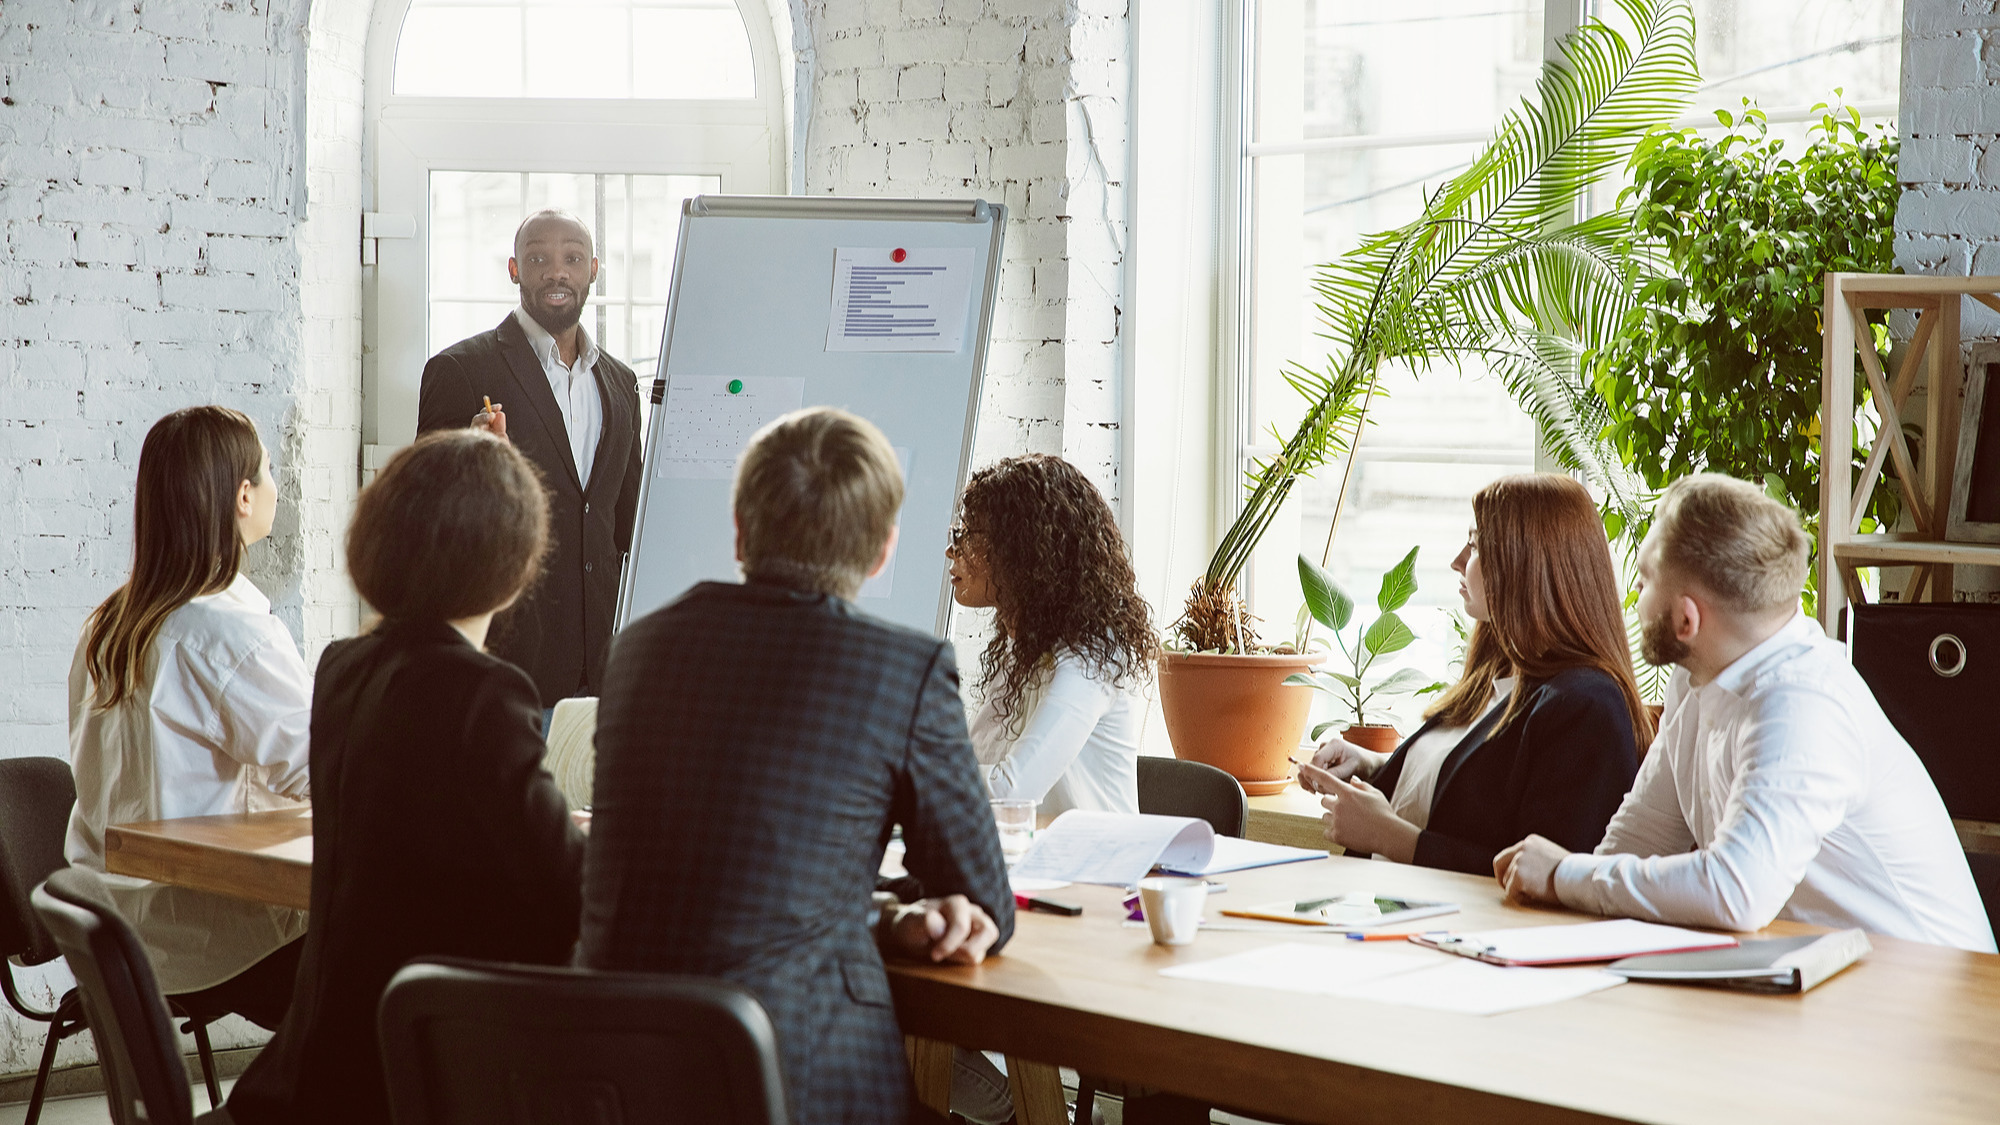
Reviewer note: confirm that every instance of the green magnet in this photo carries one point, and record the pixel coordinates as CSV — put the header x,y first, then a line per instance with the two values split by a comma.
x,y
736,386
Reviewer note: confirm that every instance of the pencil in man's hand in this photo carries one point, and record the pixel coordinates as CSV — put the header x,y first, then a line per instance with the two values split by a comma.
x,y
488,401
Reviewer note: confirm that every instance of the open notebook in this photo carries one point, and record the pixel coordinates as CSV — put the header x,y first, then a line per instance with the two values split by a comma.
x,y
1119,849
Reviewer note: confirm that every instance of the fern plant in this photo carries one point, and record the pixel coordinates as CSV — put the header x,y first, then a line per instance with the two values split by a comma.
x,y
1494,270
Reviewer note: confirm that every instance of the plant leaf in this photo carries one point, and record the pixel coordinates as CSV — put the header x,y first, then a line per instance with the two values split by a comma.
x,y
1398,584
1388,634
1300,679
1323,728
1403,680
1328,603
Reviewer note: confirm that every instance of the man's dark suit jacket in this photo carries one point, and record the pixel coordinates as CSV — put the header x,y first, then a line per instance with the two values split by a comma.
x,y
560,633
755,745
1559,768
435,832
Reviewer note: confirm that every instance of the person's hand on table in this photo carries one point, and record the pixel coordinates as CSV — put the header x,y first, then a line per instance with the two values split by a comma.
x,y
951,929
1343,760
1527,871
1358,817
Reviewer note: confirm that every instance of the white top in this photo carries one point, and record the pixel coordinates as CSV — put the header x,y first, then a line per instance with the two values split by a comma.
x,y
575,389
1779,790
217,723
1078,748
1417,784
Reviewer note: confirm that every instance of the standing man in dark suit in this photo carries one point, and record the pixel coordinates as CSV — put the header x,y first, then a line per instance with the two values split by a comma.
x,y
755,745
576,416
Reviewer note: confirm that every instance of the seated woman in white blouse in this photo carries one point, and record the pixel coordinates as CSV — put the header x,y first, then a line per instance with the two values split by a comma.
x,y
188,698
1059,715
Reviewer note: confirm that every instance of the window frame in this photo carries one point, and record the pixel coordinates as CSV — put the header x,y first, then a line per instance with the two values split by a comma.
x,y
406,138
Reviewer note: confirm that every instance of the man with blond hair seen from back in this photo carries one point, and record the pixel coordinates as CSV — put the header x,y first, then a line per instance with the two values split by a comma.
x,y
757,742
1776,788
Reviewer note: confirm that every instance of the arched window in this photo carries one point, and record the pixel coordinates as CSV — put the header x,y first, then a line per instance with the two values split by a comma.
x,y
482,111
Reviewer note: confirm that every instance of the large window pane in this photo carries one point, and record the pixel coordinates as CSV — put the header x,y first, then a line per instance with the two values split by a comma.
x,y
574,49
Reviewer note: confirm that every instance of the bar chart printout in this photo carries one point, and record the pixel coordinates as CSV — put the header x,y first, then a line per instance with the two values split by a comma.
x,y
897,299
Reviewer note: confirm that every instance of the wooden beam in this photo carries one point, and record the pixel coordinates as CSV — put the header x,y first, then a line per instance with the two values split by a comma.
x,y
1892,427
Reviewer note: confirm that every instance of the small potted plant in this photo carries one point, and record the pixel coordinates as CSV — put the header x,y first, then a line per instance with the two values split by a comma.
x,y
1329,605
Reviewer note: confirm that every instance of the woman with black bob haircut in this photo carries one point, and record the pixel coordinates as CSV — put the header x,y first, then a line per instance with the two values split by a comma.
x,y
1059,715
435,829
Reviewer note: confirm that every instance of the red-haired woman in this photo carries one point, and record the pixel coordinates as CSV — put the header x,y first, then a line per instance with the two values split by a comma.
x,y
1541,733
188,698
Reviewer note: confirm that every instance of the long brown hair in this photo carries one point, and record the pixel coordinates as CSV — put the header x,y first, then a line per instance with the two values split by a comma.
x,y
1551,599
1060,576
185,542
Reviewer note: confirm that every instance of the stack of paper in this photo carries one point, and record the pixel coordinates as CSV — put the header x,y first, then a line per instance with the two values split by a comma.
x,y
1120,848
1399,974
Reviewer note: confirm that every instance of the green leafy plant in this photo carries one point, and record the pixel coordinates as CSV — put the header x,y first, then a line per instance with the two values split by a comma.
x,y
1717,365
1388,633
1494,270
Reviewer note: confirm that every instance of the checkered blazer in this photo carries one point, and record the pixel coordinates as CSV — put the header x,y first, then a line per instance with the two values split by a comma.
x,y
755,745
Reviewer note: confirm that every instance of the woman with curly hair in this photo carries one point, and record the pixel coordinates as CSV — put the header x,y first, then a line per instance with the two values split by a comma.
x,y
1072,641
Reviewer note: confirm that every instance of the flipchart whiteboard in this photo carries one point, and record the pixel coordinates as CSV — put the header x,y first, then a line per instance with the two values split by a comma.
x,y
784,301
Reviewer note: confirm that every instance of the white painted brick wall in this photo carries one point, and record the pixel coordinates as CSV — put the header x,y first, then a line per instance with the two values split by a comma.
x,y
152,256
1019,102
1949,219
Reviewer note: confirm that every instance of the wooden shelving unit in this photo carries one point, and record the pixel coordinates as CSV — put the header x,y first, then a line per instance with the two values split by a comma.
x,y
1933,356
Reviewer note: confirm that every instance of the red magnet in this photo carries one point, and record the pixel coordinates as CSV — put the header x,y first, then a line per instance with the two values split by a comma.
x,y
898,254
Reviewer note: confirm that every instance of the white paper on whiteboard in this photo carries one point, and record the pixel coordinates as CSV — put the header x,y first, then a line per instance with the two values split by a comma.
x,y
883,584
708,419
917,304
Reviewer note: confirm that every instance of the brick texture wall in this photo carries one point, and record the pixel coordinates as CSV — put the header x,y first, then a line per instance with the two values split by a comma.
x,y
1018,102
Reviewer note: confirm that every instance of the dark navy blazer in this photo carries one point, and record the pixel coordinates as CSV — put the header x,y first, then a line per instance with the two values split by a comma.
x,y
1560,768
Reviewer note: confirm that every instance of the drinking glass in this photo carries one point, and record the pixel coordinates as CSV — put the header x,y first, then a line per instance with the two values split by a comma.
x,y
1015,818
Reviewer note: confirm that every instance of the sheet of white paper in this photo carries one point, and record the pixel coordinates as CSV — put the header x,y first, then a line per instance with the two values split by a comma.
x,y
1321,969
884,584
708,419
915,304
1590,941
1475,988
1396,974
1084,846
1232,854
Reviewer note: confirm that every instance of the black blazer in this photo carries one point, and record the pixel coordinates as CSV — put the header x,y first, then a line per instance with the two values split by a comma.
x,y
560,632
755,745
1560,768
435,832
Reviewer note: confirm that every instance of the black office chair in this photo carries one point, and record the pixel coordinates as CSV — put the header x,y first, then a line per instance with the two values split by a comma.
x,y
35,799
145,1078
1171,787
36,795
467,1042
1986,875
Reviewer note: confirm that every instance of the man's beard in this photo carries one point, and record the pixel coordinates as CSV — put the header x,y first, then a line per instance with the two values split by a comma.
x,y
555,320
1657,643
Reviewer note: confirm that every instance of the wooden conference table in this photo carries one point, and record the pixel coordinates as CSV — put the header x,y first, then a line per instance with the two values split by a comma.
x,y
1909,1035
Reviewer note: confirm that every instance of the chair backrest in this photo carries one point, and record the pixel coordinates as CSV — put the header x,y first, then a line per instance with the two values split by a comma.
x,y
145,1078
1986,874
470,1043
1171,787
35,798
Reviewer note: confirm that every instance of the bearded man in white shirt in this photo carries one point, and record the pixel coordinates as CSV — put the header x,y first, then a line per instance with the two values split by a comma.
x,y
540,381
1775,788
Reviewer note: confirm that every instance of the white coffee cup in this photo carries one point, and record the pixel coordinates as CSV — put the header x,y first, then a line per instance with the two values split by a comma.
x,y
1173,907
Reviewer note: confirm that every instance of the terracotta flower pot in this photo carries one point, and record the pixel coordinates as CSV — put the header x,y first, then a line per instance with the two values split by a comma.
x,y
1237,713
1381,739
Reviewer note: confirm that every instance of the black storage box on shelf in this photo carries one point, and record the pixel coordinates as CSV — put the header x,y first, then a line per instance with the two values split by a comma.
x,y
1935,669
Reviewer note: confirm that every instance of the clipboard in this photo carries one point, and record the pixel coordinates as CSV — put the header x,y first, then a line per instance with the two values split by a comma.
x,y
1573,945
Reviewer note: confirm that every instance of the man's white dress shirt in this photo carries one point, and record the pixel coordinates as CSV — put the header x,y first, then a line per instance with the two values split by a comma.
x,y
217,722
575,388
1078,747
1779,790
